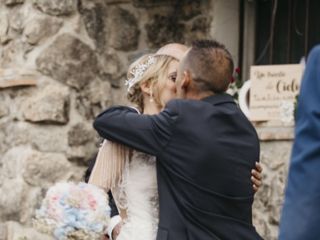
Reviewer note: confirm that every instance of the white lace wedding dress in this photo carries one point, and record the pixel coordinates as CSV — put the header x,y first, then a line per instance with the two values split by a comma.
x,y
138,195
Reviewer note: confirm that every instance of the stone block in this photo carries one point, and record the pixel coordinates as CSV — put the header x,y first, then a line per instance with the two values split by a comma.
x,y
14,53
4,103
11,198
123,29
70,61
119,96
12,163
201,24
17,21
94,16
81,154
52,138
99,93
3,110
31,201
80,134
164,29
50,104
191,8
40,27
46,138
56,7
96,97
44,169
4,28
111,67
4,125
36,168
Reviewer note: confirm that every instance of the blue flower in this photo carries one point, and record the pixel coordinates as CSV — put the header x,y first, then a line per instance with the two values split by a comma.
x,y
59,233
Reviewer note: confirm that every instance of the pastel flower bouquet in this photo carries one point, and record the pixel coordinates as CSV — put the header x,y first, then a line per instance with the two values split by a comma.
x,y
74,211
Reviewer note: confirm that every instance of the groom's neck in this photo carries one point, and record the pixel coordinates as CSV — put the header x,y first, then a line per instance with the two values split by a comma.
x,y
198,95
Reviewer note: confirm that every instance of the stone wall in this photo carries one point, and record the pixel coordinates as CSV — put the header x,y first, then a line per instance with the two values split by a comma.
x,y
65,61
268,201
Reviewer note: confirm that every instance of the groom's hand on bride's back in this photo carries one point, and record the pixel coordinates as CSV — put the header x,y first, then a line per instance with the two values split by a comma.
x,y
256,177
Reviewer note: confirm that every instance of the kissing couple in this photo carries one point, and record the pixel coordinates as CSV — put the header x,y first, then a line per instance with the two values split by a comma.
x,y
180,164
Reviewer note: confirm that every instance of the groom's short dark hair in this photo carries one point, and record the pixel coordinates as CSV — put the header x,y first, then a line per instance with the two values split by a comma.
x,y
210,64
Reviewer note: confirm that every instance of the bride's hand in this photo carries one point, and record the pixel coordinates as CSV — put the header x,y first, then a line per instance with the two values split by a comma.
x,y
116,231
256,177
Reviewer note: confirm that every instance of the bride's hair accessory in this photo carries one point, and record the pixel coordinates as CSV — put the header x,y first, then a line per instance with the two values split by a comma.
x,y
138,71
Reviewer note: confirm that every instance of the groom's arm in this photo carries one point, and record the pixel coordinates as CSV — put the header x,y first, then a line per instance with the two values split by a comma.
x,y
147,133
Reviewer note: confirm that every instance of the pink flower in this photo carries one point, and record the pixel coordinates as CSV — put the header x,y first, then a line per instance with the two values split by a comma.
x,y
238,70
55,198
93,204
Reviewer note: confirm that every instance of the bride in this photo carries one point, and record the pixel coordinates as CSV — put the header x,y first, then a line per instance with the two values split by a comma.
x,y
150,85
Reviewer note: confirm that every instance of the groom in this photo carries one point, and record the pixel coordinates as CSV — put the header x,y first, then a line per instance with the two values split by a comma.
x,y
205,149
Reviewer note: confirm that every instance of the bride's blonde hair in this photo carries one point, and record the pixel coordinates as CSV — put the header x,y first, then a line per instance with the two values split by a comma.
x,y
154,73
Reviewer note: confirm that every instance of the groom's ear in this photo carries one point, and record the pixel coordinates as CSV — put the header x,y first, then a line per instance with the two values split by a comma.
x,y
186,80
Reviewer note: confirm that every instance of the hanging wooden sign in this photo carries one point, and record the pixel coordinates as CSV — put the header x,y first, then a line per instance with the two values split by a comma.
x,y
273,91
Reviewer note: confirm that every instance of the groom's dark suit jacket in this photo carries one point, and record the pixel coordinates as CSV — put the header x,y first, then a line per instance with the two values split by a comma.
x,y
205,151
